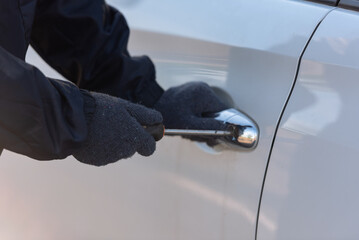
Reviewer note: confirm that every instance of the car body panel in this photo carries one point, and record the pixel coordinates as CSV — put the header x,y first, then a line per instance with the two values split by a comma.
x,y
310,190
249,49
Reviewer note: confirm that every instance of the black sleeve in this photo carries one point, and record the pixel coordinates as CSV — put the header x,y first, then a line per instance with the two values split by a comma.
x,y
86,41
40,117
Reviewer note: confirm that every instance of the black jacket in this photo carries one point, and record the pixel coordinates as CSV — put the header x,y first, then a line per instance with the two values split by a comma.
x,y
84,40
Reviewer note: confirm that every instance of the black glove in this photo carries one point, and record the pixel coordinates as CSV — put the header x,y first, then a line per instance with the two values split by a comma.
x,y
186,107
116,131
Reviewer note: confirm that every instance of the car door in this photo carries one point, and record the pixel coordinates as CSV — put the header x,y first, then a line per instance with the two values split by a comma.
x,y
250,50
310,190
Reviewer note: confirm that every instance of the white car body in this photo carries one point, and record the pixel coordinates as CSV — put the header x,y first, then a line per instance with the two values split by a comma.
x,y
292,66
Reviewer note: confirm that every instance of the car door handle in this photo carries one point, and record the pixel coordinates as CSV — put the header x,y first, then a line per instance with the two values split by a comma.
x,y
240,133
245,132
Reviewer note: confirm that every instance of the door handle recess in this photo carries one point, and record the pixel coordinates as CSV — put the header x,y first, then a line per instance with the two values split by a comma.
x,y
240,133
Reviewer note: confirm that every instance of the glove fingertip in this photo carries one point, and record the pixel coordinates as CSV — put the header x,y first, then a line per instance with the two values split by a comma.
x,y
144,115
152,115
156,116
148,145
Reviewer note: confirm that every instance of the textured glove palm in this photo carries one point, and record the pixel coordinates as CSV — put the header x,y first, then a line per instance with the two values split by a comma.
x,y
115,131
186,107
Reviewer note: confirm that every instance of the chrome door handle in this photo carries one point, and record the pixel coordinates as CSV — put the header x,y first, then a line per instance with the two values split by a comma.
x,y
241,131
245,132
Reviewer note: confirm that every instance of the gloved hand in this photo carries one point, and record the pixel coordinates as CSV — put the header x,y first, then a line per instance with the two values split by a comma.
x,y
116,132
186,107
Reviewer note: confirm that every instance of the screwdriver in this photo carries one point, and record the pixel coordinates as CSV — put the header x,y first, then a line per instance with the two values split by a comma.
x,y
158,131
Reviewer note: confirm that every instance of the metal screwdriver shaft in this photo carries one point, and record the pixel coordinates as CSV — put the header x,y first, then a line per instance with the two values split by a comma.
x,y
188,132
158,131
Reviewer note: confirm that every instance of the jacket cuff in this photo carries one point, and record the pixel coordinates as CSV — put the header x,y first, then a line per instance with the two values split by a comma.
x,y
89,105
